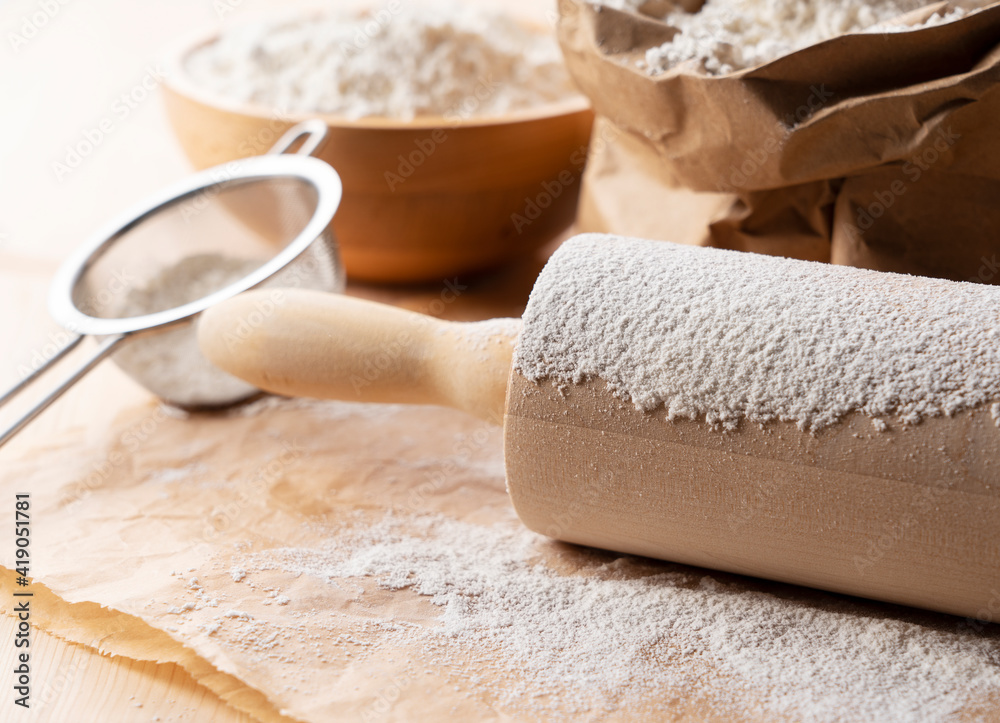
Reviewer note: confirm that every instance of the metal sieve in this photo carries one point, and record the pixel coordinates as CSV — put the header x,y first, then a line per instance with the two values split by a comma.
x,y
258,222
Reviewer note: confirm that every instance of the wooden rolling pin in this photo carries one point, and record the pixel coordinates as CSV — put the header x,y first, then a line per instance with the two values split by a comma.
x,y
805,423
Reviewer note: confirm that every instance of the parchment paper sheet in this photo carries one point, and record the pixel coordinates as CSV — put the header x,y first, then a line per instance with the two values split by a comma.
x,y
119,534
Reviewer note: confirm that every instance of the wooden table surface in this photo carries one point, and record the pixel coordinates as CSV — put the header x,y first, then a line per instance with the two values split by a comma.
x,y
64,69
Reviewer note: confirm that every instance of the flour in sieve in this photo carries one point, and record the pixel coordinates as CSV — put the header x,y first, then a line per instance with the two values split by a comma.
x,y
170,364
724,336
401,61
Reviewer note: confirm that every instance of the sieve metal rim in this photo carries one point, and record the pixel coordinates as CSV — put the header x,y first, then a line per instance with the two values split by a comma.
x,y
318,174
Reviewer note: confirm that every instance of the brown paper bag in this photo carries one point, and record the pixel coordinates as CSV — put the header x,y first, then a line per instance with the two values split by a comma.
x,y
874,150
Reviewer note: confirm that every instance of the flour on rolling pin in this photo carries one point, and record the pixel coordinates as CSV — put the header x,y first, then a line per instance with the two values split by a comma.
x,y
723,336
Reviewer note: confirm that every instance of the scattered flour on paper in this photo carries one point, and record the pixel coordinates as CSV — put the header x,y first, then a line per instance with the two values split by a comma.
x,y
401,61
622,634
728,35
618,633
723,336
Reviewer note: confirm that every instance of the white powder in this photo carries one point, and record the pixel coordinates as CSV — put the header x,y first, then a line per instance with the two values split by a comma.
x,y
629,632
489,332
725,336
170,363
405,60
728,35
173,475
191,278
483,337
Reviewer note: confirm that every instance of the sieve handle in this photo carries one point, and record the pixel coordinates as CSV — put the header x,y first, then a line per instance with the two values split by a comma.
x,y
312,131
108,345
21,385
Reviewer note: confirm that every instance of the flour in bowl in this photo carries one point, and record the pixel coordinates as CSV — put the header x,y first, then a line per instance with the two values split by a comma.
x,y
401,61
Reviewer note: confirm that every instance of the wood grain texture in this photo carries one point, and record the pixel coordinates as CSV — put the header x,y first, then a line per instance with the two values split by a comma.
x,y
905,516
73,682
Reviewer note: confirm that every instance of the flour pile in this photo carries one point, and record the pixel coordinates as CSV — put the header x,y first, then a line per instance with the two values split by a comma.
x,y
401,61
620,633
728,35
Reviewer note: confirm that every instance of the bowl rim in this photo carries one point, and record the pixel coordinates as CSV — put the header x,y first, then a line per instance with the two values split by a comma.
x,y
176,78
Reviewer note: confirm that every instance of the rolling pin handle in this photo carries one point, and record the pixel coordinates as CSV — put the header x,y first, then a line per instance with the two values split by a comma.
x,y
329,346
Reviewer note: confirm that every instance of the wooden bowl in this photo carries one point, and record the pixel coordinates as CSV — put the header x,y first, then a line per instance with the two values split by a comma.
x,y
424,200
